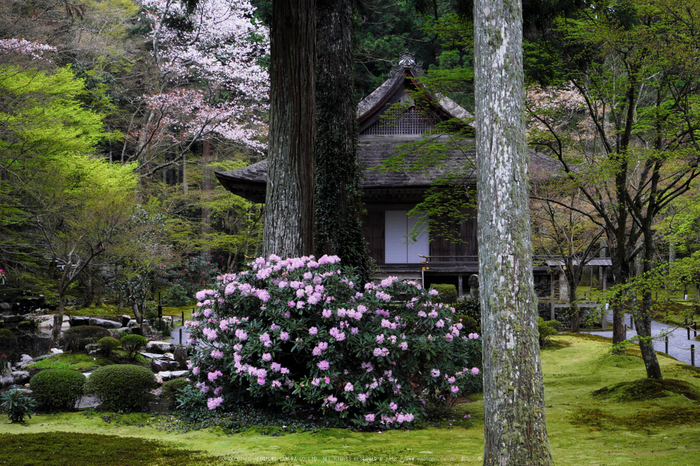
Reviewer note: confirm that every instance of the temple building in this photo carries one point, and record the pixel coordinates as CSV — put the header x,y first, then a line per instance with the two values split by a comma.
x,y
389,118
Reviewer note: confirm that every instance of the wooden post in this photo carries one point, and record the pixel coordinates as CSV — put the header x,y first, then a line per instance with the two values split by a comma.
x,y
180,341
666,343
692,355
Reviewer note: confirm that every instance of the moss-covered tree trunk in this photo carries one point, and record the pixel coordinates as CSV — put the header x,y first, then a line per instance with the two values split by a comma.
x,y
515,429
290,183
338,202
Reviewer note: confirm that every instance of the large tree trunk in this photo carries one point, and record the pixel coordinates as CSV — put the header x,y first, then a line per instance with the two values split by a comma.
x,y
515,429
290,184
338,200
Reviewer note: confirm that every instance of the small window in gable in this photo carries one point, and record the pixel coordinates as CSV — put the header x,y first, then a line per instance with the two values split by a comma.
x,y
410,122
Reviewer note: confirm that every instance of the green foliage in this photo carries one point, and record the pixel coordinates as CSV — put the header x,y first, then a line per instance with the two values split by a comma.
x,y
17,404
470,325
469,307
75,338
8,343
107,344
192,404
171,392
122,387
57,389
546,329
132,344
447,292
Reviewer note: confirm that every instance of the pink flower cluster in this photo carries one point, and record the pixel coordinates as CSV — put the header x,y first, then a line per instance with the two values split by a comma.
x,y
305,308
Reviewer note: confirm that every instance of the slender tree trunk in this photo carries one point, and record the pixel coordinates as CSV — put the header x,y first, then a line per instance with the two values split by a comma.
x,y
642,316
514,417
574,309
205,193
289,213
58,322
338,202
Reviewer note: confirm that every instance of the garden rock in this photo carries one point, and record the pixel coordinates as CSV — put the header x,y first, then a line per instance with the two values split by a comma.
x,y
77,321
5,308
164,376
92,349
159,347
6,378
21,377
160,365
180,355
125,320
106,323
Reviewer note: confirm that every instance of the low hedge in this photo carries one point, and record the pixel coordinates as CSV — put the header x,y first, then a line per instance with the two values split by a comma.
x,y
57,389
75,338
447,292
122,387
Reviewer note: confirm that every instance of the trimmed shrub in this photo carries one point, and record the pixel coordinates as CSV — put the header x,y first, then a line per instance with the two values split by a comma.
x,y
171,390
8,343
132,344
547,329
107,344
122,387
447,293
75,338
298,332
57,389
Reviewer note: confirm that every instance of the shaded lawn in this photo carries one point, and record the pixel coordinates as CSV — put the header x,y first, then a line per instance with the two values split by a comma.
x,y
584,429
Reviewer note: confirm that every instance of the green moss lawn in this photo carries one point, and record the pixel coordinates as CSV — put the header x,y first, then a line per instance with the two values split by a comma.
x,y
625,423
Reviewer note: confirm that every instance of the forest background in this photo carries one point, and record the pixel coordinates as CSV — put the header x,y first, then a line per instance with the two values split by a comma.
x,y
112,132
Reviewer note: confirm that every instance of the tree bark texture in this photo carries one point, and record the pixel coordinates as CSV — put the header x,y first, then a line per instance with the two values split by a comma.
x,y
290,184
642,315
338,201
515,429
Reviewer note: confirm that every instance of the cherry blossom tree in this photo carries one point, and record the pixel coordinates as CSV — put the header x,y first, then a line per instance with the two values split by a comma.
x,y
210,83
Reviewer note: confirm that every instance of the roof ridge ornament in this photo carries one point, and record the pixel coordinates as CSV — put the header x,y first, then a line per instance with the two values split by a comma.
x,y
407,60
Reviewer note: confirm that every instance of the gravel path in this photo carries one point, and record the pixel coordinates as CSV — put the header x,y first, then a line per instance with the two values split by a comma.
x,y
678,343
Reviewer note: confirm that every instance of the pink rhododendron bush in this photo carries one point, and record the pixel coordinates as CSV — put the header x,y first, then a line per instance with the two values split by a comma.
x,y
300,333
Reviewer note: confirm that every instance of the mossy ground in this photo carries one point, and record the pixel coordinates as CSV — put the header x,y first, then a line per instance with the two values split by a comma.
x,y
584,429
111,310
73,361
84,362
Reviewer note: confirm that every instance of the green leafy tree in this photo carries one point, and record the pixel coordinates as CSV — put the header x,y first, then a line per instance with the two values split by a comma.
x,y
64,205
630,147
